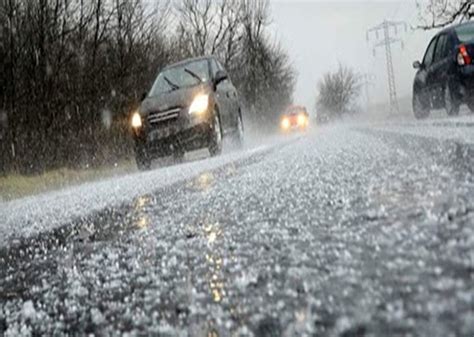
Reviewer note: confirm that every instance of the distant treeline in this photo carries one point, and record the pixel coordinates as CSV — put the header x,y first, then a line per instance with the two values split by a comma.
x,y
72,70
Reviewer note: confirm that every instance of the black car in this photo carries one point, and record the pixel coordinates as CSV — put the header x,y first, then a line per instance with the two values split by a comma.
x,y
192,104
445,78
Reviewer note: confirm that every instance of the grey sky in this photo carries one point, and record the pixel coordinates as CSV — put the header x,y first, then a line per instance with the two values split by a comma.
x,y
319,34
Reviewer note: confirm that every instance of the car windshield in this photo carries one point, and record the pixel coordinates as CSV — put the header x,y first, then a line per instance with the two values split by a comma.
x,y
181,76
465,33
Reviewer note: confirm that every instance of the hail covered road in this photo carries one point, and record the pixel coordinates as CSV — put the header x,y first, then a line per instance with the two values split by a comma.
x,y
349,230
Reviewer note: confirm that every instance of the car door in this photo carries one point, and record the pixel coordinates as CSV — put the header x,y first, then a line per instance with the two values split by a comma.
x,y
439,71
425,74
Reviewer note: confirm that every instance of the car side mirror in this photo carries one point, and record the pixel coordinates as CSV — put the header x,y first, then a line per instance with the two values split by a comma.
x,y
417,65
221,75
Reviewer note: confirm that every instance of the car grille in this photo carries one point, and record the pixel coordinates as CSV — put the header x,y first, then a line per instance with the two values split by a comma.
x,y
163,116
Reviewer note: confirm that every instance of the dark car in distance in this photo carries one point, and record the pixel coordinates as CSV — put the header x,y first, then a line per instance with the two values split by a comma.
x,y
445,77
191,105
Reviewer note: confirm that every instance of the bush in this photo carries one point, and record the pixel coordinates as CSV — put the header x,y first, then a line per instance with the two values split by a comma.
x,y
337,94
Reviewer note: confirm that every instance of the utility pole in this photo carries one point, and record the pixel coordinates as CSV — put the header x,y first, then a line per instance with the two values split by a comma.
x,y
387,28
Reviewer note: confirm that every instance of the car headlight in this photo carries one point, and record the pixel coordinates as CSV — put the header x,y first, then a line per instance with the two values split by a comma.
x,y
285,123
199,105
136,120
301,120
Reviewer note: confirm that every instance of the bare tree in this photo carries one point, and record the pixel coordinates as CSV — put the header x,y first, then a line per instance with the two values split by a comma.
x,y
337,92
265,75
440,13
210,28
63,63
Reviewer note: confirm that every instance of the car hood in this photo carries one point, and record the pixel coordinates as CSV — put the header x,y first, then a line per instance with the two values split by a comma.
x,y
178,98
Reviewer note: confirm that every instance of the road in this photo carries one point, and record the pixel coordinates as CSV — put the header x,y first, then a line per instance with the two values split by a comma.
x,y
349,230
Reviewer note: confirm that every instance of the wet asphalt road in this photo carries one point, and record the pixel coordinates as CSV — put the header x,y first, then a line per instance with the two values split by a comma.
x,y
345,231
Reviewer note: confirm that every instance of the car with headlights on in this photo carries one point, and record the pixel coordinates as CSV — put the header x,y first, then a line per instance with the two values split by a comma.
x,y
191,105
295,118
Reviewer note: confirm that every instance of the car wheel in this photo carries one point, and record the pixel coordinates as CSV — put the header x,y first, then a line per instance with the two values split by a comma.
x,y
451,103
215,142
420,106
143,160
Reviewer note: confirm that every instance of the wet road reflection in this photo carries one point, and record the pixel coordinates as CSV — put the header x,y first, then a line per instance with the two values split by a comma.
x,y
216,281
141,219
214,235
203,182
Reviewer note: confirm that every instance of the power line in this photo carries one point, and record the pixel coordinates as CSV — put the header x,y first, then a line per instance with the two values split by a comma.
x,y
388,29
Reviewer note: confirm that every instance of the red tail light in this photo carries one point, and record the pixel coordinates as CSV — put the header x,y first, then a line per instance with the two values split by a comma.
x,y
463,57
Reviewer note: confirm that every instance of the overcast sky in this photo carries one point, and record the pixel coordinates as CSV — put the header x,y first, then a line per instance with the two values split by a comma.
x,y
319,34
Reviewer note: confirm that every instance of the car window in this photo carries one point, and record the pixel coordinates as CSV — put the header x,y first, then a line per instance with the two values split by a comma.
x,y
449,45
177,77
428,59
465,33
440,51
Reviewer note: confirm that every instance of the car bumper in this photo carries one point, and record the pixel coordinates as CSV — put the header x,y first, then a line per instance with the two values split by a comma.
x,y
177,136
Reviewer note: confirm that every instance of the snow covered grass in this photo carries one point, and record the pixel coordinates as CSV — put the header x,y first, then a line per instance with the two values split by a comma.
x,y
15,185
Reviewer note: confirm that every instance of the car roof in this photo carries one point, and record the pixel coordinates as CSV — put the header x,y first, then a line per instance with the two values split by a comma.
x,y
189,60
450,29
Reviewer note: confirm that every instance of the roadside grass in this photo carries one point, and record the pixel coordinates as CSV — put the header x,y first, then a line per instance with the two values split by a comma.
x,y
14,186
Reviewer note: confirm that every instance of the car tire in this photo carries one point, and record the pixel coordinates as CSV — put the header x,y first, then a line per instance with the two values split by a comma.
x,y
420,106
142,159
216,138
238,137
451,103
